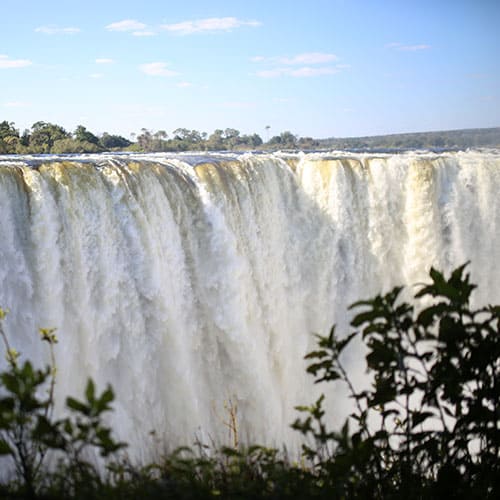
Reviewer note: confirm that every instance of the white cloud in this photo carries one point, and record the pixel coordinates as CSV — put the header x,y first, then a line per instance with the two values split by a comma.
x,y
300,59
143,33
184,85
271,73
305,71
238,104
415,47
407,48
104,60
209,25
17,104
96,75
126,25
310,58
157,69
306,64
55,30
7,63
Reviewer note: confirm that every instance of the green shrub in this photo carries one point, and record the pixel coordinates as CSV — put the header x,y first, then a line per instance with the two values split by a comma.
x,y
429,425
29,433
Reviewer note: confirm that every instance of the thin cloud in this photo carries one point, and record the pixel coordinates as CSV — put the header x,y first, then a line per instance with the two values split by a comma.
x,y
308,71
126,25
209,25
413,48
306,58
104,60
7,63
303,65
310,58
55,30
239,104
184,85
271,73
17,104
157,69
407,48
96,76
143,33
304,72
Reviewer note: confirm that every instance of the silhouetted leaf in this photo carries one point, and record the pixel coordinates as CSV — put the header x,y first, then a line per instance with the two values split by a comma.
x,y
5,449
76,405
418,418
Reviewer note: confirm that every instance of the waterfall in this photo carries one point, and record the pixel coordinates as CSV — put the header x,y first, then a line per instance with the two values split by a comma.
x,y
188,282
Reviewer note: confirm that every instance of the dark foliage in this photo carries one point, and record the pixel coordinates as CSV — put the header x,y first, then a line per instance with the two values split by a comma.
x,y
429,425
50,138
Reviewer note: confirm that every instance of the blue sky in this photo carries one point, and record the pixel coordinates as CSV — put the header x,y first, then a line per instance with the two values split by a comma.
x,y
318,68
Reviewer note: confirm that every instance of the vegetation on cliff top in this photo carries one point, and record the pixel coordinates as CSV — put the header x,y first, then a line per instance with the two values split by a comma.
x,y
51,138
45,137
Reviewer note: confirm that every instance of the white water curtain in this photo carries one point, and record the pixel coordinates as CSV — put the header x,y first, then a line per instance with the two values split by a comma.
x,y
191,282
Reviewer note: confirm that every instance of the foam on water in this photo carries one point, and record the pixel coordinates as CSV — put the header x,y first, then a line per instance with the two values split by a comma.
x,y
187,281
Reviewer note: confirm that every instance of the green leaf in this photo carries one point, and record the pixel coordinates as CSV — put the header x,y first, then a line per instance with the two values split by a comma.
x,y
342,344
315,367
436,276
230,452
420,417
74,404
366,317
3,313
90,391
106,397
381,354
5,448
426,316
316,354
11,382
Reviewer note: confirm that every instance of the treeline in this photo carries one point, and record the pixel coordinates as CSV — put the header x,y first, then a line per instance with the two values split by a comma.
x,y
45,137
228,139
449,139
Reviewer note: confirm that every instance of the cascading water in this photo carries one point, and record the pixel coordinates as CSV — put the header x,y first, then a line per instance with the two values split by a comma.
x,y
190,281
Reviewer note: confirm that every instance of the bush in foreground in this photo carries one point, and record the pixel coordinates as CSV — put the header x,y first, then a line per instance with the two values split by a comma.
x,y
427,427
